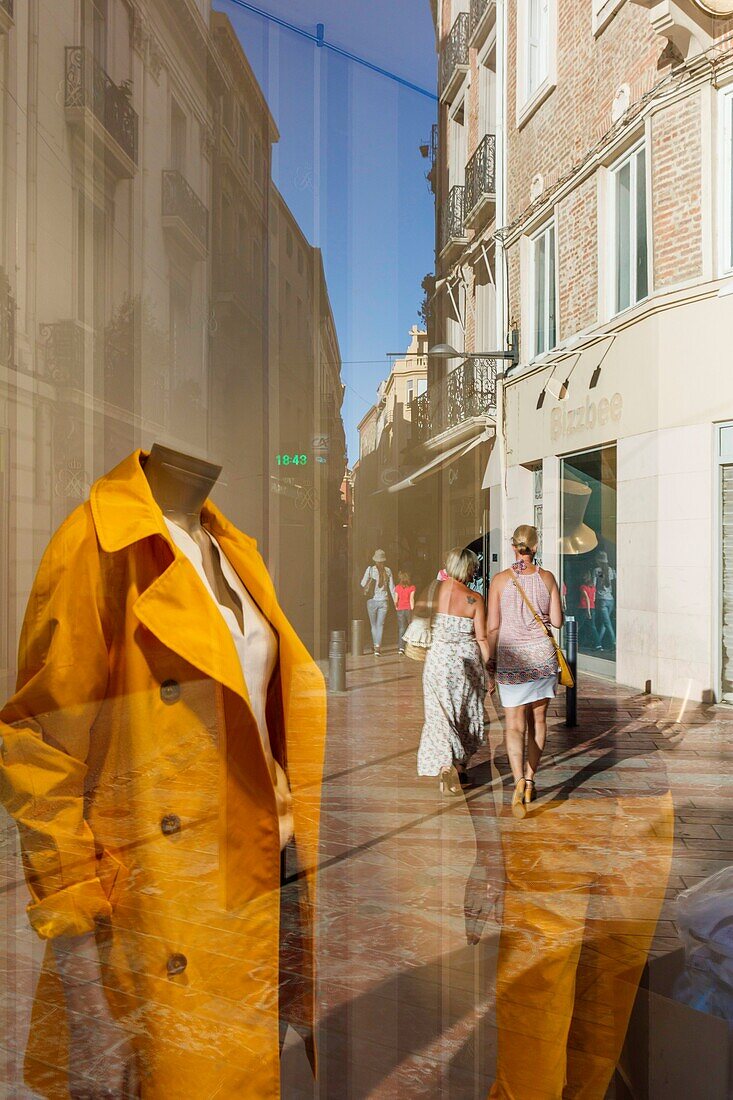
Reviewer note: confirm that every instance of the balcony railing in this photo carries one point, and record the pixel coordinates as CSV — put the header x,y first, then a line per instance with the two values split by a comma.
x,y
468,391
479,18
184,211
63,346
480,176
88,87
451,219
454,56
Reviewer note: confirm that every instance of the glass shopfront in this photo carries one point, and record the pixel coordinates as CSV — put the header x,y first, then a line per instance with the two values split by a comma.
x,y
588,553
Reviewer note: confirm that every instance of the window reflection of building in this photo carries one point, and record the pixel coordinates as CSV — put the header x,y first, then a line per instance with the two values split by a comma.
x,y
588,553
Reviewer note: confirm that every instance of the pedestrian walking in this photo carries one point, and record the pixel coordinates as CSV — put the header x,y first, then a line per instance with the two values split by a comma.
x,y
524,601
378,586
587,606
454,676
605,601
405,604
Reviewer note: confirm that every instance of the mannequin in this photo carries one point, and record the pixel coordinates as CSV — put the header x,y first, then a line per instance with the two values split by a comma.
x,y
180,484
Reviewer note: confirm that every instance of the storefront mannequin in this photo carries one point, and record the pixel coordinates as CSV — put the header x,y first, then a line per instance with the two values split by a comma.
x,y
147,798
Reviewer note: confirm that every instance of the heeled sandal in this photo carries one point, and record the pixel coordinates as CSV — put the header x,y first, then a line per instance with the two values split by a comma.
x,y
519,809
530,791
449,783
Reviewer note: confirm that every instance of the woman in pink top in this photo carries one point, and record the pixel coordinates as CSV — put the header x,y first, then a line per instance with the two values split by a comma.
x,y
405,605
522,658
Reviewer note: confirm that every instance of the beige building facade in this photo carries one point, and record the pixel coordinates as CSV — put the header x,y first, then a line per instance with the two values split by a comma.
x,y
606,243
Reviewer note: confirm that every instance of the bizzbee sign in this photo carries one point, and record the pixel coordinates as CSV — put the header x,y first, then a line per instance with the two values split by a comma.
x,y
566,422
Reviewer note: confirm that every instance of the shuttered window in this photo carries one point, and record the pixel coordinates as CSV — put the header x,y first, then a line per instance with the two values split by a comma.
x,y
726,473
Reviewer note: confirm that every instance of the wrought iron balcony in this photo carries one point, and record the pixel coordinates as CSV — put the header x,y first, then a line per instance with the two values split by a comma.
x,y
480,180
454,57
482,15
6,15
90,95
63,346
184,214
451,219
468,391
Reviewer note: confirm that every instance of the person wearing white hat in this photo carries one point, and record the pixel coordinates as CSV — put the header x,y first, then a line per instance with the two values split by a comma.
x,y
378,585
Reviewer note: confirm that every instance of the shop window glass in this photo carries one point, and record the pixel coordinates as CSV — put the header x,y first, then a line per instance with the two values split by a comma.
x,y
588,553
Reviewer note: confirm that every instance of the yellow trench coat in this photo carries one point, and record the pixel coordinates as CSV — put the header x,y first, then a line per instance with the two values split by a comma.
x,y
134,768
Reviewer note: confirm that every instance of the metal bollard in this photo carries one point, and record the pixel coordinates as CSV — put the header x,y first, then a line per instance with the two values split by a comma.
x,y
337,661
571,654
357,637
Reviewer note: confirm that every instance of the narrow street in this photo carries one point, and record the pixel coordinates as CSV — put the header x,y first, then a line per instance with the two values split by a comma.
x,y
406,1005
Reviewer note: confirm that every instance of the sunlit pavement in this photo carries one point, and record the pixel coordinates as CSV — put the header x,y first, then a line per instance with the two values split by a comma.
x,y
406,1006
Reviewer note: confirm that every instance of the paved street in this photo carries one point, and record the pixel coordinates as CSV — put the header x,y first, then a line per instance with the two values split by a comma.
x,y
407,1007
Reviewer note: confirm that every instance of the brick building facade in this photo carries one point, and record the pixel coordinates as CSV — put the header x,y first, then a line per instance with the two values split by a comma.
x,y
607,247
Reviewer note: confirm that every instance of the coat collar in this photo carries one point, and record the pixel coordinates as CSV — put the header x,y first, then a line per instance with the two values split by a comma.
x,y
125,511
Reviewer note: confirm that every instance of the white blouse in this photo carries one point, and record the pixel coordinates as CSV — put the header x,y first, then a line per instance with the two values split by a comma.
x,y
256,645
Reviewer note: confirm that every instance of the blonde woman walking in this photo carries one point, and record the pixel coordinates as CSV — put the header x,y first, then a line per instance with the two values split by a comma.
x,y
454,679
522,659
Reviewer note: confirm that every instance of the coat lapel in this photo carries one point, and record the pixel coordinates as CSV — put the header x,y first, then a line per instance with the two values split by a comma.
x,y
179,611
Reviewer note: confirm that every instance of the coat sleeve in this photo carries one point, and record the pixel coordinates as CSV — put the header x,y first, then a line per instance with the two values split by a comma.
x,y
45,733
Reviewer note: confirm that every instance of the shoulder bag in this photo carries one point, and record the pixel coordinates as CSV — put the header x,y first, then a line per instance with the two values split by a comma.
x,y
418,637
566,677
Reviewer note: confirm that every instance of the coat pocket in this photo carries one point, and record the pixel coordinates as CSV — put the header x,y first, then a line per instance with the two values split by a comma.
x,y
112,875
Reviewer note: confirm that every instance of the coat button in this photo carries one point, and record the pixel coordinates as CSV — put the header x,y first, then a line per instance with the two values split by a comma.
x,y
176,965
170,824
170,691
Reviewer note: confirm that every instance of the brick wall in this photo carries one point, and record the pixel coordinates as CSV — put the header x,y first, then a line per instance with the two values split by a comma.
x,y
577,113
577,250
677,192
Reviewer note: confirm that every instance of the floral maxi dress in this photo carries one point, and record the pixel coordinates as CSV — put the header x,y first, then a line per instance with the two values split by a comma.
x,y
454,688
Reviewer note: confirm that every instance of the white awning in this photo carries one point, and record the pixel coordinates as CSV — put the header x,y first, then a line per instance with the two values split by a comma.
x,y
440,461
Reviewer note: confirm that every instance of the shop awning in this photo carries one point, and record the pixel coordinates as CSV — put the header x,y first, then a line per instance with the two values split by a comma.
x,y
441,461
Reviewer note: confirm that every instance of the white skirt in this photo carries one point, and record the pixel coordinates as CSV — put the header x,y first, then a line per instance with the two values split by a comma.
x,y
516,695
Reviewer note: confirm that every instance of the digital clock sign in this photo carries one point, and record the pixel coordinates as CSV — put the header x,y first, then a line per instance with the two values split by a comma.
x,y
291,460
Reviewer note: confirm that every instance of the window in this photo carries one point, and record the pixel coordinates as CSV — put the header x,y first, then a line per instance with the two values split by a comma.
x,y
243,135
544,290
227,113
178,138
457,147
631,277
422,385
289,242
410,390
536,54
726,258
537,38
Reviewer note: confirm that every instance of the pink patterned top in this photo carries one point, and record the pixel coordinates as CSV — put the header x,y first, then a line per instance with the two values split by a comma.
x,y
524,651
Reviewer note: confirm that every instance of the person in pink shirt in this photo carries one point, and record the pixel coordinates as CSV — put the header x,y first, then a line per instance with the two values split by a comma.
x,y
405,604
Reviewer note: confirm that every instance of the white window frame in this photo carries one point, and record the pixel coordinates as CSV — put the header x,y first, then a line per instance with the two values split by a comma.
x,y
529,100
725,183
629,156
550,258
457,145
409,390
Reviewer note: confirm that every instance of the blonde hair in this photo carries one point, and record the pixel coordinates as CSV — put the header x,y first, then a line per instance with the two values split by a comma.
x,y
461,564
526,535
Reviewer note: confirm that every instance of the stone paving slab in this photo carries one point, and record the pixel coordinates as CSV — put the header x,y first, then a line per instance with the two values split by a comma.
x,y
406,1006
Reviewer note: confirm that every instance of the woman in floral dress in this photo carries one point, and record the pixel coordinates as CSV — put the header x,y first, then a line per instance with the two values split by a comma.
x,y
454,680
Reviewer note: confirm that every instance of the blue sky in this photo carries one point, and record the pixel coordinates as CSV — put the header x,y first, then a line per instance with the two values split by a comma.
x,y
349,166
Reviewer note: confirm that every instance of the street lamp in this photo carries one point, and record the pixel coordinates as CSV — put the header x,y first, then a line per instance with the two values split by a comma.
x,y
445,351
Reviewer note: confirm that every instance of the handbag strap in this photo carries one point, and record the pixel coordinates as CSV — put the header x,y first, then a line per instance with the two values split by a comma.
x,y
530,605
